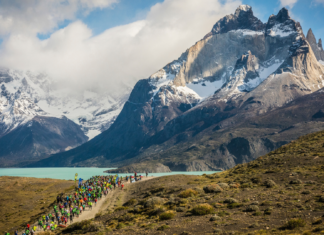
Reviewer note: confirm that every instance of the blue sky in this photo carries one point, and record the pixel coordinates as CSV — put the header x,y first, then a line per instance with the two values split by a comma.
x,y
309,14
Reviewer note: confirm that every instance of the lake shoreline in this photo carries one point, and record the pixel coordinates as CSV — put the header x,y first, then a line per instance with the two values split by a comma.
x,y
68,173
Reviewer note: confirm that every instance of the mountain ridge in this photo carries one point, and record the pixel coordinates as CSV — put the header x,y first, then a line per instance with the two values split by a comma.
x,y
250,73
37,139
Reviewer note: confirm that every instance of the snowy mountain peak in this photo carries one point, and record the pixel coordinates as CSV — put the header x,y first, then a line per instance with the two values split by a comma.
x,y
242,10
24,95
281,25
243,18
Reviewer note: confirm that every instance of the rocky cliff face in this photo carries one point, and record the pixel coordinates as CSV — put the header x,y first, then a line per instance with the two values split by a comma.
x,y
189,115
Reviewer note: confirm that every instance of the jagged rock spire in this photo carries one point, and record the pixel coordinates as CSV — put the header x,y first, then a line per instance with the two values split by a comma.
x,y
316,47
283,15
310,36
247,61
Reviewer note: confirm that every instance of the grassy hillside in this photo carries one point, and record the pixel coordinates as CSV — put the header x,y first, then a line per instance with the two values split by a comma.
x,y
24,199
279,193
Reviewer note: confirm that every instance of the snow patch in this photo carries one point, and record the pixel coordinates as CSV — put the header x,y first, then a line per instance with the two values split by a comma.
x,y
321,62
281,30
244,7
205,88
159,79
189,92
246,32
264,73
93,133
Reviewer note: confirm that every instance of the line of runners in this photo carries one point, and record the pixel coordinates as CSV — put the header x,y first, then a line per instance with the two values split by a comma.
x,y
68,207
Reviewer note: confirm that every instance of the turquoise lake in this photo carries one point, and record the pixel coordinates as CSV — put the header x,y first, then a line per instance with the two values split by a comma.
x,y
67,173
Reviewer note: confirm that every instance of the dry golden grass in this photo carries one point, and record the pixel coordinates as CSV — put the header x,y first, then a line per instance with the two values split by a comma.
x,y
25,199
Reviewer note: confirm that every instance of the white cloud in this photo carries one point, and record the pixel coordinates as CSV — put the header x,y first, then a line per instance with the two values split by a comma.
x,y
288,3
42,16
318,1
120,55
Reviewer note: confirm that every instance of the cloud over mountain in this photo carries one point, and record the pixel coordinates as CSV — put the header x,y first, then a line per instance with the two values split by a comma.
x,y
116,58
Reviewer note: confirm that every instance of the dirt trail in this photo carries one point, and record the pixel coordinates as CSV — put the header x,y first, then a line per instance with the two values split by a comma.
x,y
102,204
105,202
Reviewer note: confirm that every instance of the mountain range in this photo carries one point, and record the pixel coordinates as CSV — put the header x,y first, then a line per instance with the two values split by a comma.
x,y
242,91
26,96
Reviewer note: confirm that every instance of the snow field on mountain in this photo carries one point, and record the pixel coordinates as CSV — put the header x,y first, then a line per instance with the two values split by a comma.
x,y
281,30
205,88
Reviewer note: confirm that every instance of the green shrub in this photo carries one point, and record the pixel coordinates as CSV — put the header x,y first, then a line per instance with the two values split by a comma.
x,y
121,225
188,193
212,189
157,211
318,221
270,184
130,202
251,208
202,209
167,215
257,213
163,227
268,211
234,205
82,227
125,218
294,223
223,213
121,208
230,200
150,226
153,202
